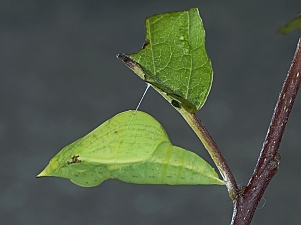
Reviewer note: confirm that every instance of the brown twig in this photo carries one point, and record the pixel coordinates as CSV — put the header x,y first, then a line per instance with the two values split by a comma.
x,y
268,161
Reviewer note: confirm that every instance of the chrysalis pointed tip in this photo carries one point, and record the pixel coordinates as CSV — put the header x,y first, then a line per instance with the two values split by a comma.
x,y
42,174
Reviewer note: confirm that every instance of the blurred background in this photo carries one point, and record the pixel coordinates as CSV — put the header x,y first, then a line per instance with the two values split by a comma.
x,y
59,79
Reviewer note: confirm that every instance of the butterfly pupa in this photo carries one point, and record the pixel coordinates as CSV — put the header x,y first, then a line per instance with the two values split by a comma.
x,y
138,152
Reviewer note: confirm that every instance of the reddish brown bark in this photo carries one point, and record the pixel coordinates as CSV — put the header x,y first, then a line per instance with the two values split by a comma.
x,y
267,165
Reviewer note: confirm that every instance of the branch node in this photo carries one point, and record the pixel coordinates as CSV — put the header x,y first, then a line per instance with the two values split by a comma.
x,y
274,164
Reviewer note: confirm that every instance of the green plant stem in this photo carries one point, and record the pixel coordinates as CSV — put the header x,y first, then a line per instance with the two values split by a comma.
x,y
210,146
214,152
267,165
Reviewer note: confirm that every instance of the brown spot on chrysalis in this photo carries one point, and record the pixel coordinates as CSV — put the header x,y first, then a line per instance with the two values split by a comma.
x,y
74,159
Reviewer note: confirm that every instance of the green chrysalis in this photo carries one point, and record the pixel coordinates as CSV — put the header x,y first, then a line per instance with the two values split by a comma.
x,y
132,147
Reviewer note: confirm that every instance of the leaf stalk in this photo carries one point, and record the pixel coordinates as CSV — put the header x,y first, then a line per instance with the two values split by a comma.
x,y
213,150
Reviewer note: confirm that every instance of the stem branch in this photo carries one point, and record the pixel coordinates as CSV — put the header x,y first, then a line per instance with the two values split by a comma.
x,y
268,161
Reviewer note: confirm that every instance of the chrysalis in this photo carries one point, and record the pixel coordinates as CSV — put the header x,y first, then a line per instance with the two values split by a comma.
x,y
138,152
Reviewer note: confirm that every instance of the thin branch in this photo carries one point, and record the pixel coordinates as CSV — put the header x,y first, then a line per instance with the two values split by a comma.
x,y
214,152
268,162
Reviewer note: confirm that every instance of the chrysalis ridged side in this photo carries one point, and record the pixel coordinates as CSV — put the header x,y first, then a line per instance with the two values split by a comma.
x,y
170,165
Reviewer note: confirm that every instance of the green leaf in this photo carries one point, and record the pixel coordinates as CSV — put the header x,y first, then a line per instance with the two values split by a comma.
x,y
291,25
174,59
132,147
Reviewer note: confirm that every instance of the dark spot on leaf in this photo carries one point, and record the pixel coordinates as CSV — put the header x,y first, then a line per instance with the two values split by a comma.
x,y
175,104
145,43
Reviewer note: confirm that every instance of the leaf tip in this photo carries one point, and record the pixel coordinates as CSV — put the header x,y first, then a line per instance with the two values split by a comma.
x,y
126,60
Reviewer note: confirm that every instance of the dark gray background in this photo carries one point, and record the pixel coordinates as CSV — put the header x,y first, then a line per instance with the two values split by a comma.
x,y
60,79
